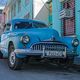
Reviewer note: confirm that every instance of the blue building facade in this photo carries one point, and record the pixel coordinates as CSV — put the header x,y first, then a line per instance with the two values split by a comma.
x,y
67,25
64,16
55,15
32,9
18,9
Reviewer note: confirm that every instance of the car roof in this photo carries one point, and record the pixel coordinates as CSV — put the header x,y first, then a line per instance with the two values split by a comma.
x,y
25,20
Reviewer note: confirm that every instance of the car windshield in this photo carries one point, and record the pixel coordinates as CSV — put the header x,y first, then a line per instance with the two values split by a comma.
x,y
39,25
23,25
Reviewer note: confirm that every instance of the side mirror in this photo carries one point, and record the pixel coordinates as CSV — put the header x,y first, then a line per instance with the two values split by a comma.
x,y
8,24
6,27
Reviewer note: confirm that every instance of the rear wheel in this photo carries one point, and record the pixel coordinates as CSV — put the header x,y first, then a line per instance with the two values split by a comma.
x,y
14,62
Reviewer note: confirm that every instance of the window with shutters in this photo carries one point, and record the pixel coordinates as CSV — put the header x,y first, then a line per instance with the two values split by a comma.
x,y
69,23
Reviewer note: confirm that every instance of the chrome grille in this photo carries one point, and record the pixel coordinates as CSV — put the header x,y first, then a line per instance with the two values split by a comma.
x,y
48,46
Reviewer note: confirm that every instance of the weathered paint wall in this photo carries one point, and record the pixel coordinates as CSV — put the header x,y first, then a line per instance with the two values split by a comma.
x,y
55,15
25,9
77,21
77,13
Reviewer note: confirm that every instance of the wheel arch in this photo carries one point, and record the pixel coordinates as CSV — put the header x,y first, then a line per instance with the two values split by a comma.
x,y
10,43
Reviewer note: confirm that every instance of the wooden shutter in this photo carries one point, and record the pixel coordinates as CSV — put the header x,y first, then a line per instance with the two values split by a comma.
x,y
69,24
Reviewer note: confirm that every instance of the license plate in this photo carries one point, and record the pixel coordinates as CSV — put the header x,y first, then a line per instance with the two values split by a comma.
x,y
56,53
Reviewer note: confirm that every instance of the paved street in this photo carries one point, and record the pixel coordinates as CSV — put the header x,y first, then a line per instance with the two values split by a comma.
x,y
37,72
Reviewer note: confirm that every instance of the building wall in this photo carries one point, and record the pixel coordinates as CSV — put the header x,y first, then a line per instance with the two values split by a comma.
x,y
16,9
32,9
55,16
64,25
1,21
77,21
77,14
57,23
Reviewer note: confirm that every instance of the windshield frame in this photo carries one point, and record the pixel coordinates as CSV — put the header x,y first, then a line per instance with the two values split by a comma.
x,y
32,25
45,25
21,27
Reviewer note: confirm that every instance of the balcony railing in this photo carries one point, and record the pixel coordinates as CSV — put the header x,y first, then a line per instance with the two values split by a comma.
x,y
66,13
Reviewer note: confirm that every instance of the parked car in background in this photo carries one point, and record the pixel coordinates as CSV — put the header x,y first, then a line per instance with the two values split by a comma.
x,y
24,39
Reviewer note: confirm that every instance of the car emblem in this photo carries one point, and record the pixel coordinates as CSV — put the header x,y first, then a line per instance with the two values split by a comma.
x,y
53,38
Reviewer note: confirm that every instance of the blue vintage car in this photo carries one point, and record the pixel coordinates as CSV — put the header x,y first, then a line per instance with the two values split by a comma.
x,y
24,38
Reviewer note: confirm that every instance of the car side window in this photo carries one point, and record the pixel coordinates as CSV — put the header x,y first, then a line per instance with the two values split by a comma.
x,y
7,27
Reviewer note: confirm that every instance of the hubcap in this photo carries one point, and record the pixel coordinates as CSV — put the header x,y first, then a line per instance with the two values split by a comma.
x,y
12,58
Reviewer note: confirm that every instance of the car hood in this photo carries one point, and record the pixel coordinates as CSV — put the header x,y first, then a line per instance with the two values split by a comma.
x,y
41,33
38,35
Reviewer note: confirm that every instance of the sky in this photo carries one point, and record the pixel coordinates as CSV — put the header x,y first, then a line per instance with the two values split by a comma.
x,y
38,4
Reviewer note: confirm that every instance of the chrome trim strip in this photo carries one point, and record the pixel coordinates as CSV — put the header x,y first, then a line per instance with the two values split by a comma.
x,y
57,43
26,51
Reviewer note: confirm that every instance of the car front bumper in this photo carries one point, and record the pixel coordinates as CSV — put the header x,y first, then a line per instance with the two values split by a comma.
x,y
43,54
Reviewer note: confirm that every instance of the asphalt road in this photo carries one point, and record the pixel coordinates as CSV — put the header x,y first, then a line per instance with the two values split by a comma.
x,y
37,71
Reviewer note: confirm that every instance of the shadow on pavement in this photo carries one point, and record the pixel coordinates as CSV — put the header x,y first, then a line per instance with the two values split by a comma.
x,y
42,67
49,67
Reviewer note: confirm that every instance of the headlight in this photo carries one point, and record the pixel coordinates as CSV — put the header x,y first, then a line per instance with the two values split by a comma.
x,y
25,39
75,42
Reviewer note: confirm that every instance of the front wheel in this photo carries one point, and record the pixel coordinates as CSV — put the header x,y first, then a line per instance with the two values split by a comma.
x,y
1,55
14,62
